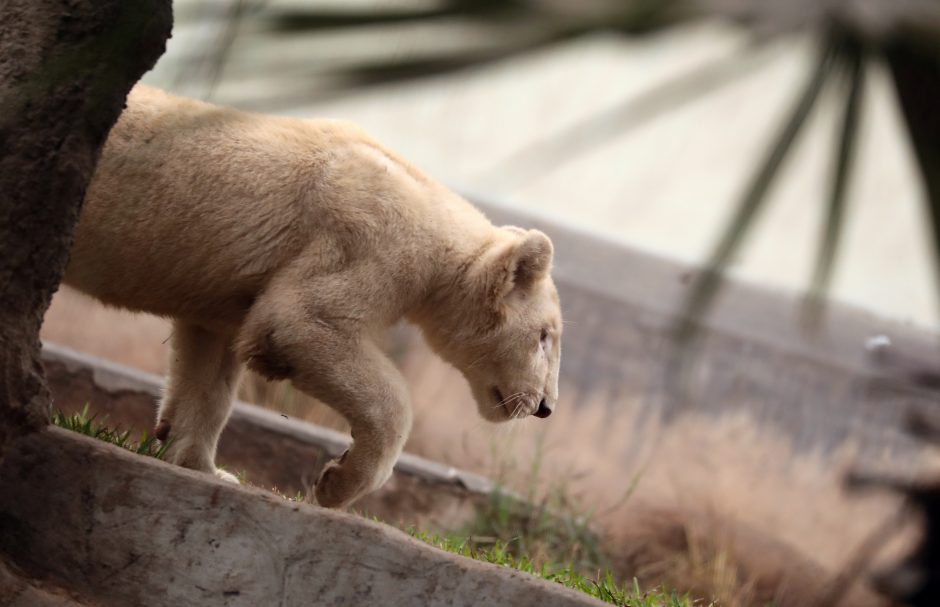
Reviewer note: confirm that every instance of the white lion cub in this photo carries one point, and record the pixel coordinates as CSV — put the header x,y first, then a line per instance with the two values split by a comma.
x,y
290,246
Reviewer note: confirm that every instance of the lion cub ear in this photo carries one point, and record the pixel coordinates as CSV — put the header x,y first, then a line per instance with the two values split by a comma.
x,y
533,259
518,264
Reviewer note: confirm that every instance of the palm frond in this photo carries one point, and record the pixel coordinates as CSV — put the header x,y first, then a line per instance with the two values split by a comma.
x,y
708,281
539,23
389,70
585,135
831,233
314,19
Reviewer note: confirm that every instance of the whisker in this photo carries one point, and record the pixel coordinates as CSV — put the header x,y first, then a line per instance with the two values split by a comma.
x,y
507,404
517,412
509,398
516,402
513,396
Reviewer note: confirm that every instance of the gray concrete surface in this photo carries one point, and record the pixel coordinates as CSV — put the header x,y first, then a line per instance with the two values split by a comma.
x,y
135,531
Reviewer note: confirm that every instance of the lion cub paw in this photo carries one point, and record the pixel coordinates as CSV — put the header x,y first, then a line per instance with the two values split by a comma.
x,y
338,485
227,476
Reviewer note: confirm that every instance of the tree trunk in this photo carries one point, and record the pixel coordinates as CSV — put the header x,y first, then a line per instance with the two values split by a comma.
x,y
65,71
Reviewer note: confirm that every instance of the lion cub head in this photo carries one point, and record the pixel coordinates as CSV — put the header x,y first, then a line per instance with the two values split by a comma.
x,y
506,336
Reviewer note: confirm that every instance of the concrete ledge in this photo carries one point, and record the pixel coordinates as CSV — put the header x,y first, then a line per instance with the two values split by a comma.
x,y
272,450
127,530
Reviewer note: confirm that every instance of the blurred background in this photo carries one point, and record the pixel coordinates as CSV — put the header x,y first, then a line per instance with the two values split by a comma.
x,y
650,139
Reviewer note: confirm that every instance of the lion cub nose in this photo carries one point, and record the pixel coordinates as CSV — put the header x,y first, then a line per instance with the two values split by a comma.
x,y
543,411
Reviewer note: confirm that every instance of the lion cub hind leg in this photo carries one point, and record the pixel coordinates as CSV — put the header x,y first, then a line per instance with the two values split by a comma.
x,y
341,366
198,399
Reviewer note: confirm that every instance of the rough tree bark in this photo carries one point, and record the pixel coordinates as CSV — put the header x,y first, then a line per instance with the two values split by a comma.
x,y
65,71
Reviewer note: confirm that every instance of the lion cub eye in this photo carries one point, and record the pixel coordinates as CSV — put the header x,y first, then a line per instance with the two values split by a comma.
x,y
544,338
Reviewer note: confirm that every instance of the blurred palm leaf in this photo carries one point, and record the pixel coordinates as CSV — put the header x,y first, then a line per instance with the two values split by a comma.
x,y
546,154
315,18
628,16
389,71
708,281
854,63
504,28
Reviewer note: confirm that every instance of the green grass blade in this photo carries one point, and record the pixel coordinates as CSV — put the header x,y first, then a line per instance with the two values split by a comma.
x,y
89,426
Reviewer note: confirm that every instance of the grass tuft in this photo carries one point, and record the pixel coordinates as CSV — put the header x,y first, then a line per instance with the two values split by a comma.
x,y
552,529
602,586
82,423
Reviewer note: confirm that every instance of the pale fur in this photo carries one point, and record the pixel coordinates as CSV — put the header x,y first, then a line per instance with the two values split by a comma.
x,y
291,245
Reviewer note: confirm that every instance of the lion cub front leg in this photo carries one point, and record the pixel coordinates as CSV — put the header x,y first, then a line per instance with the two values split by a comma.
x,y
377,406
344,368
203,376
